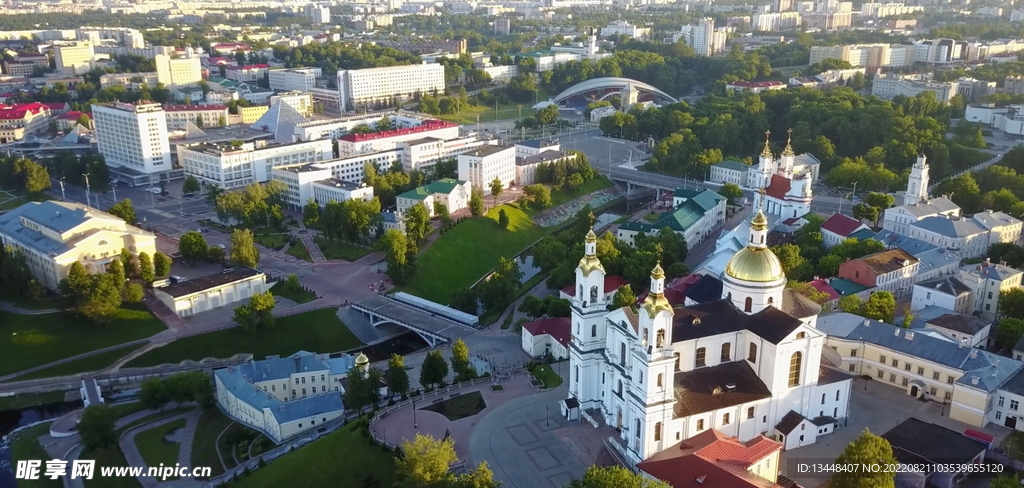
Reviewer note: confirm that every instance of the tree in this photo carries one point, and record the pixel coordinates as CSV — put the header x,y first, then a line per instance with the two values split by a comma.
x,y
538,194
863,211
879,201
868,449
153,394
161,264
133,293
792,261
460,362
256,314
881,306
243,248
96,427
441,211
426,461
434,369
731,191
396,375
808,291
613,477
547,115
1009,331
1008,481
192,246
503,219
499,289
476,203
575,181
1011,303
558,307
36,177
417,222
362,388
191,185
497,187
311,213
828,265
123,209
395,245
16,276
465,300
104,295
850,304
145,267
623,297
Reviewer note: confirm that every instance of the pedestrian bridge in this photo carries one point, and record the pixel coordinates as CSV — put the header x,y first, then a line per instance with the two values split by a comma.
x,y
433,328
636,178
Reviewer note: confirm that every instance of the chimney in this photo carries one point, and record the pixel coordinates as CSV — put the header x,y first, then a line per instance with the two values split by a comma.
x,y
974,380
700,479
1002,263
867,322
974,353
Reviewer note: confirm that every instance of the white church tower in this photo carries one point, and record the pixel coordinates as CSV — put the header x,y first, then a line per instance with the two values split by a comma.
x,y
761,176
651,421
788,159
917,184
588,330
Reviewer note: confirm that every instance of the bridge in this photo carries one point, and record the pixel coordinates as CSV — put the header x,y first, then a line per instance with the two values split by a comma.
x,y
635,178
433,328
603,88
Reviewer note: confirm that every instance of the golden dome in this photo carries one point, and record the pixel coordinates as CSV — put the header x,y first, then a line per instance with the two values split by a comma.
x,y
591,236
755,264
759,222
767,151
788,151
362,360
658,273
590,263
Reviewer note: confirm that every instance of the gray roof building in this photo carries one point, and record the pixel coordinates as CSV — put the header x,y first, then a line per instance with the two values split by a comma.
x,y
950,226
946,284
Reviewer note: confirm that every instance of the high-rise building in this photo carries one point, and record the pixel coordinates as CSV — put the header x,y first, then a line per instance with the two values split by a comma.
x,y
75,58
701,37
132,137
361,87
318,14
502,26
177,71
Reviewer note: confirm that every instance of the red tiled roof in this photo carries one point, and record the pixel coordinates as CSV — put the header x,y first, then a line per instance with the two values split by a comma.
x,y
56,105
611,283
20,110
557,327
778,187
73,115
979,436
824,287
711,460
193,108
841,225
251,66
427,125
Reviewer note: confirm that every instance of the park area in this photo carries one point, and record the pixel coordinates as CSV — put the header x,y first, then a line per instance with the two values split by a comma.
x,y
318,331
33,340
459,407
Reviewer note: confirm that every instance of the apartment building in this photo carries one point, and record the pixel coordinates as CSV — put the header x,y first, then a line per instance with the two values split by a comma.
x,y
21,119
178,71
179,116
828,21
233,165
987,281
890,86
295,79
74,58
312,181
925,364
703,37
132,137
623,28
777,21
363,87
866,55
427,46
967,237
453,194
486,163
892,270
54,235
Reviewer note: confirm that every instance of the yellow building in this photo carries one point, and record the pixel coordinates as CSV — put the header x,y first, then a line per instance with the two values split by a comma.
x,y
251,114
53,235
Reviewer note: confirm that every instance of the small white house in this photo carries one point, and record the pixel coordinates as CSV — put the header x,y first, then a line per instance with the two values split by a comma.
x,y
945,291
547,336
795,430
966,329
210,292
838,228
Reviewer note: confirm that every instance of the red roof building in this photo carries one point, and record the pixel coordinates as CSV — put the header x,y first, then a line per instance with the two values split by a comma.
x,y
248,73
57,108
713,460
838,227
21,119
824,287
548,336
427,125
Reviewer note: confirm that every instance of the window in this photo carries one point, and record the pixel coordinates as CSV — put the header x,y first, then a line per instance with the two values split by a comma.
x,y
935,375
752,353
1014,405
1001,401
895,363
637,428
892,378
593,330
293,392
881,359
303,380
822,398
949,380
661,381
750,412
837,395
322,378
312,379
801,335
700,424
619,389
853,368
906,366
659,340
725,419
989,295
853,353
641,378
273,387
657,431
905,381
303,392
602,378
748,304
622,354
726,352
794,368
576,372
700,357
677,360
933,391
948,396
920,371
999,415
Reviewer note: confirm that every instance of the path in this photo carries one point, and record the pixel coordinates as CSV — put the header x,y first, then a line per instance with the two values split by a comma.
x,y
12,308
308,239
134,457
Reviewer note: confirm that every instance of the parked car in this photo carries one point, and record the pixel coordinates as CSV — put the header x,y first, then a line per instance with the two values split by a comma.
x,y
190,195
178,279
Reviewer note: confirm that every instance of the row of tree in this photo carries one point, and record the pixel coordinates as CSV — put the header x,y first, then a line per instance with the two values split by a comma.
x,y
243,251
997,187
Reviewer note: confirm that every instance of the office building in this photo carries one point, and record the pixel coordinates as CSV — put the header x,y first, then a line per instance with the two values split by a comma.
x,y
353,144
132,137
296,79
75,58
890,86
232,165
484,164
21,119
317,14
54,235
179,116
363,88
316,181
251,73
453,194
174,71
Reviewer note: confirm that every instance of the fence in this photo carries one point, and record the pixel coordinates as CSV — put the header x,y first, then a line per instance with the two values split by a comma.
x,y
440,392
993,455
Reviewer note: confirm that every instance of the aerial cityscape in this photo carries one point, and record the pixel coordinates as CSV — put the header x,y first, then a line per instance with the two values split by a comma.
x,y
557,243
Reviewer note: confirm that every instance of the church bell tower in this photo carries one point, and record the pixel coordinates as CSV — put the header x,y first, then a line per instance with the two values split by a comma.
x,y
917,184
588,330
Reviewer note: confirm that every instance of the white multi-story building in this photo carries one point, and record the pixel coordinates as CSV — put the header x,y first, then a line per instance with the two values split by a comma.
x,y
312,181
967,237
486,163
228,165
362,87
295,79
774,22
335,190
250,73
916,204
54,235
354,144
133,80
301,102
752,362
453,194
988,280
177,71
890,86
947,292
623,28
179,116
703,37
317,14
133,140
22,119
74,58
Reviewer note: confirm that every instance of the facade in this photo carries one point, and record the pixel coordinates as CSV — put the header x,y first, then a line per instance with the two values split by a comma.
x,y
987,281
301,102
967,237
889,86
179,116
335,190
371,85
314,181
250,73
273,396
892,270
838,228
295,79
486,163
229,166
133,136
133,80
729,171
74,58
526,166
718,459
623,28
703,37
547,336
453,194
925,366
738,365
966,329
22,119
916,204
696,216
54,235
754,86
177,71
1009,399
210,292
947,292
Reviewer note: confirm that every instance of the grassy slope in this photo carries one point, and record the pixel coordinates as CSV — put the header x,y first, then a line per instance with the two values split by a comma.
x,y
154,449
27,447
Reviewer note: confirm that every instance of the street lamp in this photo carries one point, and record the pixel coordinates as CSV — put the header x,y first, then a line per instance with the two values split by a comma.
x,y
385,436
62,188
414,424
547,418
88,191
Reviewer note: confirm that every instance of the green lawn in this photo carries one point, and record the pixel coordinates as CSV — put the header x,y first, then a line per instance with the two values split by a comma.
x,y
26,447
26,400
204,446
544,373
32,340
316,331
157,450
272,241
590,186
651,217
113,456
298,296
91,363
299,250
341,250
464,254
342,459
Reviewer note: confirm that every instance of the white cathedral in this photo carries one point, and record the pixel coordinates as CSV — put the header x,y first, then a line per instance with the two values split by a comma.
x,y
747,364
785,182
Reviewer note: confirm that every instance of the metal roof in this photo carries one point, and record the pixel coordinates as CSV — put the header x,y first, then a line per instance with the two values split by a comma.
x,y
950,226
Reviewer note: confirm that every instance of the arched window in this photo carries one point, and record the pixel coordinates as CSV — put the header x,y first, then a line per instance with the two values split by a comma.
x,y
801,335
762,239
748,304
641,377
593,330
577,373
637,428
700,358
661,380
657,431
619,388
752,354
622,353
661,338
726,352
771,300
101,243
643,339
593,294
794,368
729,296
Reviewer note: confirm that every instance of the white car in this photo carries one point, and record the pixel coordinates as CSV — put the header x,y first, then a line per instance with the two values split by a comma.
x,y
178,279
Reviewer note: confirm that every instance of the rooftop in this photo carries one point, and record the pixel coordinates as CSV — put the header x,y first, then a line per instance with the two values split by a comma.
x,y
713,388
950,226
226,277
336,183
949,285
538,143
443,186
711,459
991,220
888,261
425,126
722,316
931,207
842,225
990,271
544,157
59,217
959,322
558,328
932,442
194,108
486,150
732,164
